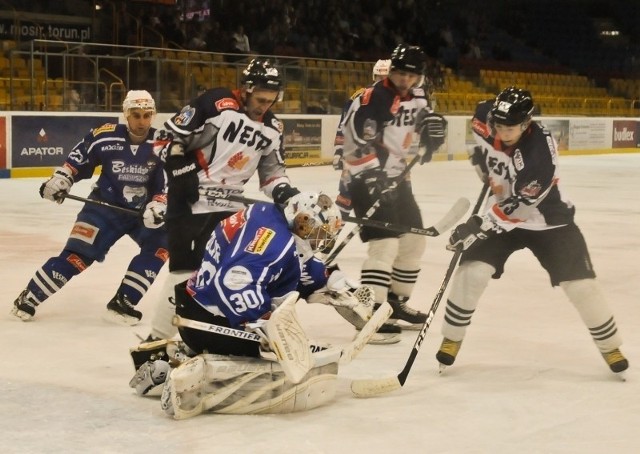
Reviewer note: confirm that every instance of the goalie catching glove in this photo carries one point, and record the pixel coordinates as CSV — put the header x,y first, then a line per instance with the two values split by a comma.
x,y
57,187
476,228
352,301
432,128
153,216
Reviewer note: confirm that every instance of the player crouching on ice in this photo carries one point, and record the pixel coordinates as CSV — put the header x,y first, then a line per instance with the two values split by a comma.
x,y
236,315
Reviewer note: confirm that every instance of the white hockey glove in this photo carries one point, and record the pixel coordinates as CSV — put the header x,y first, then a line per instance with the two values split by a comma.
x,y
476,228
153,216
58,186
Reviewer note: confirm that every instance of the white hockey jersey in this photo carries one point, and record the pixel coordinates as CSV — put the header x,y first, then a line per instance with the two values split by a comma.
x,y
229,147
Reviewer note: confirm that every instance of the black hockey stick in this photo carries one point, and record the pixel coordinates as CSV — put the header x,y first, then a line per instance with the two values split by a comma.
x,y
457,211
376,386
104,204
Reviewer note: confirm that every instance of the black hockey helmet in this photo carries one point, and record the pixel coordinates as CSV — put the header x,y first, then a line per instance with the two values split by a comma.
x,y
408,58
512,106
262,74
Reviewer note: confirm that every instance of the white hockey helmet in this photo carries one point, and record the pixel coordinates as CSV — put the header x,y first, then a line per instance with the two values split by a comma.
x,y
381,69
314,217
138,99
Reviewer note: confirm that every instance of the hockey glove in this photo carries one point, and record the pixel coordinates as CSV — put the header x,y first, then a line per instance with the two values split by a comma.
x,y
337,160
433,132
464,235
153,216
478,158
58,186
182,173
378,185
283,192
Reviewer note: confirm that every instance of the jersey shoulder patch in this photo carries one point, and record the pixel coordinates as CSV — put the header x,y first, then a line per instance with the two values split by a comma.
x,y
106,128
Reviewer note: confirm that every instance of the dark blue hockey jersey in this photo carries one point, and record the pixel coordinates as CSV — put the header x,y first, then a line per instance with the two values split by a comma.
x,y
131,174
251,258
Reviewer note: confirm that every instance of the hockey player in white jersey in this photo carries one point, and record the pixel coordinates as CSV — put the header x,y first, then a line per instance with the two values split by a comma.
x,y
379,130
237,318
527,210
215,145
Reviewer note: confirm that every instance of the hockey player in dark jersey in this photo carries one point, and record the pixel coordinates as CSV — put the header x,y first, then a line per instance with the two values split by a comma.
x,y
527,210
380,71
379,130
131,177
217,143
236,315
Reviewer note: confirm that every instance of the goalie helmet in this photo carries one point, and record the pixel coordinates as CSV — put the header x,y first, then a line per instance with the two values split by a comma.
x,y
315,218
138,99
262,74
513,106
381,69
408,58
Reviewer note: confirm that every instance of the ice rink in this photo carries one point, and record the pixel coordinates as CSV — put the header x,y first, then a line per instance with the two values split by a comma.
x,y
528,378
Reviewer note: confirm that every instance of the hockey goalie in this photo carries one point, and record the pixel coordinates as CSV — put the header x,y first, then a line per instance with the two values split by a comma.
x,y
243,349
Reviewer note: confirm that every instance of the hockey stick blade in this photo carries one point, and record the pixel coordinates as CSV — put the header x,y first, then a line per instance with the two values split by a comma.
x,y
375,386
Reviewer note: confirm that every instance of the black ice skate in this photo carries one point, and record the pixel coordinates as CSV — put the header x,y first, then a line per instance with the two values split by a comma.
x,y
120,310
411,318
24,307
616,361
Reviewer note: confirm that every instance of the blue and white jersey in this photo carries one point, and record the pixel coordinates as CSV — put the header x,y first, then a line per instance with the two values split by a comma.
x,y
131,174
251,258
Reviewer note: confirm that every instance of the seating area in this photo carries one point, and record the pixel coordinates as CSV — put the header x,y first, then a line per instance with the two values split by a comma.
x,y
27,82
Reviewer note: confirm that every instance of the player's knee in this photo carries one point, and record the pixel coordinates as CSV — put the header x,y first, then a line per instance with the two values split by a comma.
x,y
384,250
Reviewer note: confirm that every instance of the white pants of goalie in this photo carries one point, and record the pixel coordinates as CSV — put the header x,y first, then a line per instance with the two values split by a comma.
x,y
234,385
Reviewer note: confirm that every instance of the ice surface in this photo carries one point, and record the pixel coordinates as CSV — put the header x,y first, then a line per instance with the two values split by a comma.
x,y
528,378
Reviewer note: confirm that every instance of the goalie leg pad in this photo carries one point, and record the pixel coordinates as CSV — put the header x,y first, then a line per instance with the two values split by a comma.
x,y
233,385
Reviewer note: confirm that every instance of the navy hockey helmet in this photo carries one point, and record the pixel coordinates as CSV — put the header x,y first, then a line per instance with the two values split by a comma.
x,y
262,74
408,58
513,106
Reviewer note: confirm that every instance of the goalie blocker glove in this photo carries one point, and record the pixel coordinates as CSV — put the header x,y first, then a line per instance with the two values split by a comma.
x,y
476,228
182,173
57,187
283,192
433,132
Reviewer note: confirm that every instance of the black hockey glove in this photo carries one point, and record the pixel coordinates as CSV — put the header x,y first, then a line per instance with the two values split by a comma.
x,y
182,175
378,185
283,192
478,158
433,132
464,235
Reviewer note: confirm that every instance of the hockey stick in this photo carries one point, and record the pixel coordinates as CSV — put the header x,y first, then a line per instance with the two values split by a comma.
x,y
104,204
453,215
372,210
376,386
460,207
348,351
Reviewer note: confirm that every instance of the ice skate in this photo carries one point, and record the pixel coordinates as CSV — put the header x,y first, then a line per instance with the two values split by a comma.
x,y
24,307
404,316
386,334
617,362
120,310
447,353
